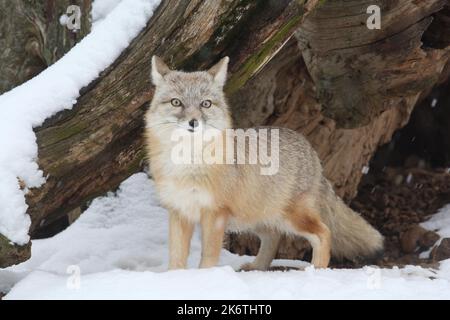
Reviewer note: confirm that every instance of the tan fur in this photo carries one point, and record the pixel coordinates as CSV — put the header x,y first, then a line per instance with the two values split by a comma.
x,y
296,200
307,222
213,225
267,251
180,234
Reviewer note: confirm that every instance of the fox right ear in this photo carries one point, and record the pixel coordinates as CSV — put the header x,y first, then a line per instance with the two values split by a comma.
x,y
159,70
219,71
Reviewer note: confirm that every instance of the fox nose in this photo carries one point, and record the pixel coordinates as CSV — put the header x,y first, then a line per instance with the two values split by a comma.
x,y
193,123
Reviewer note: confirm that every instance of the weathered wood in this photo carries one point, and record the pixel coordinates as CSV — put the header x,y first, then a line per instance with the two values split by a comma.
x,y
438,35
32,38
347,97
11,254
89,150
390,71
360,73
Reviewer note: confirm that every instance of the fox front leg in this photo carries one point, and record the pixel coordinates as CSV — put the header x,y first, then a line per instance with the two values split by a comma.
x,y
180,234
213,224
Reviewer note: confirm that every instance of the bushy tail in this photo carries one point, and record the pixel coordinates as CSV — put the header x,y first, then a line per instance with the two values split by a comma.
x,y
351,236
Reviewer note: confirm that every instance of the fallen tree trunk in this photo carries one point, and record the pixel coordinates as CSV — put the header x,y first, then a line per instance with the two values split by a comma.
x,y
349,95
89,150
346,91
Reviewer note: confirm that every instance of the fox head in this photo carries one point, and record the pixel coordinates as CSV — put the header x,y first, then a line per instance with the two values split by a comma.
x,y
190,101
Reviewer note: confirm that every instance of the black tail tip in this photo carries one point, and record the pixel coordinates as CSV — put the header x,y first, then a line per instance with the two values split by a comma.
x,y
379,254
375,257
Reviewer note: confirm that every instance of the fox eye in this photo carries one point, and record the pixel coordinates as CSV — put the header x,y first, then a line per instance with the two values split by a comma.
x,y
205,103
176,102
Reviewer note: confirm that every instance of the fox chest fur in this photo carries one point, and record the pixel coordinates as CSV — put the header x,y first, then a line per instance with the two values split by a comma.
x,y
187,189
186,196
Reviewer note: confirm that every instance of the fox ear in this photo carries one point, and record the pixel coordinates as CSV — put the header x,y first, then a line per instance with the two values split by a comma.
x,y
219,71
159,70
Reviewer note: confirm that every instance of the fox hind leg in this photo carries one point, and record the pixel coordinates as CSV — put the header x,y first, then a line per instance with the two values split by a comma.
x,y
267,251
306,222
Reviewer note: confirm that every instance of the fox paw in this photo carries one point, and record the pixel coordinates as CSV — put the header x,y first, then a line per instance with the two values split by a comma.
x,y
252,267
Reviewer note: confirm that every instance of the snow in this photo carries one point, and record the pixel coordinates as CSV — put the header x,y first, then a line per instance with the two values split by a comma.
x,y
119,247
434,103
409,178
440,222
365,170
101,9
53,90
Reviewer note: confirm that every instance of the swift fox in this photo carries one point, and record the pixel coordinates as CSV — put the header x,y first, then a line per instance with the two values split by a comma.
x,y
297,199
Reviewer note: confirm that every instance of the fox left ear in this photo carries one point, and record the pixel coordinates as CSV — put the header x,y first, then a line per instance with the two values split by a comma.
x,y
219,71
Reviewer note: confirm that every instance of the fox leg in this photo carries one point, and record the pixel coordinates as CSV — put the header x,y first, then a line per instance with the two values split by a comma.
x,y
213,224
306,221
267,251
180,234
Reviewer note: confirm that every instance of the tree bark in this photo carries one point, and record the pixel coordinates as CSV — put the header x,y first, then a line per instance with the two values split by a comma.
x,y
32,38
349,95
347,100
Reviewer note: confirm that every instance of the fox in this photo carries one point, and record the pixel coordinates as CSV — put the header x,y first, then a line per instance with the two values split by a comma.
x,y
296,200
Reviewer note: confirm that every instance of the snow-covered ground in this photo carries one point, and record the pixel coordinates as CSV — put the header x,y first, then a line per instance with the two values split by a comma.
x,y
117,23
440,222
118,247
